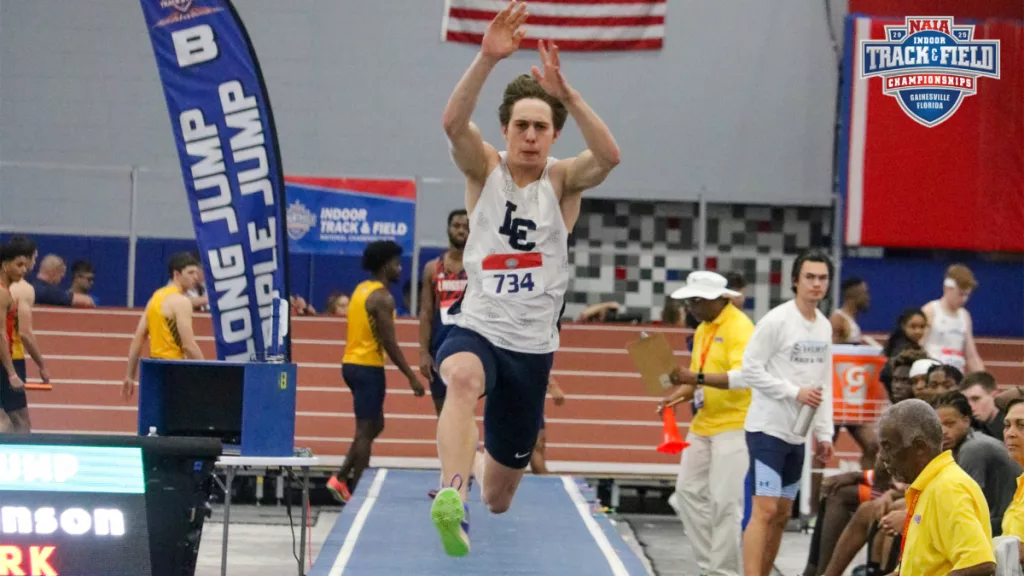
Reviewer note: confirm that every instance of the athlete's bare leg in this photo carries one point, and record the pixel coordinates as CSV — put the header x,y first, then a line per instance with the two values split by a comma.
x,y
21,421
438,403
867,438
457,435
763,536
538,464
6,425
359,453
499,484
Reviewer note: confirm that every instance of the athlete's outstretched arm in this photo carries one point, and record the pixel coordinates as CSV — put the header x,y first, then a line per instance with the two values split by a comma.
x,y
134,352
594,164
381,307
182,310
427,319
971,355
501,39
26,297
6,302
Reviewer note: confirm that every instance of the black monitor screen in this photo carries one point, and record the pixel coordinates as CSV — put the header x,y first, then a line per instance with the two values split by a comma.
x,y
203,400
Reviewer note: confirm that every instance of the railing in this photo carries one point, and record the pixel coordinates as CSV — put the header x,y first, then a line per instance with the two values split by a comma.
x,y
136,201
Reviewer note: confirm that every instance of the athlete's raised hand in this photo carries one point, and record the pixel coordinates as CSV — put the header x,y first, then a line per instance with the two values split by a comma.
x,y
552,80
505,32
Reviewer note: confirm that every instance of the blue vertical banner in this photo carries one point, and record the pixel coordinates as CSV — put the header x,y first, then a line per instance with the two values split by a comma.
x,y
227,144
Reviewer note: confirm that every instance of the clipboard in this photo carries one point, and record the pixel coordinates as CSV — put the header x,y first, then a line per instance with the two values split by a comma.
x,y
653,357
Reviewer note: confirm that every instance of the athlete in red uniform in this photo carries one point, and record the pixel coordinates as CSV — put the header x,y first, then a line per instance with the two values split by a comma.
x,y
444,283
15,255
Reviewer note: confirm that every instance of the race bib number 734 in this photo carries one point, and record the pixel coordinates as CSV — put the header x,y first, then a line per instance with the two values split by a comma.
x,y
513,276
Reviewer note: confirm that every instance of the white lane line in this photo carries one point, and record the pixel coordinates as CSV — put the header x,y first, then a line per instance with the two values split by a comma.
x,y
614,562
357,525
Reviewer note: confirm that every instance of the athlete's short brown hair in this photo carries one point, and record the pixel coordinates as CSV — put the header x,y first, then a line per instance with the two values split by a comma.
x,y
179,261
525,86
963,277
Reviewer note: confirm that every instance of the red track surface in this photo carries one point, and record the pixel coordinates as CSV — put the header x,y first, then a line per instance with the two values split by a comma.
x,y
608,416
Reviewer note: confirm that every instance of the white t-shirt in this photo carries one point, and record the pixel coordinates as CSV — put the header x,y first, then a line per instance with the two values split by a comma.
x,y
786,353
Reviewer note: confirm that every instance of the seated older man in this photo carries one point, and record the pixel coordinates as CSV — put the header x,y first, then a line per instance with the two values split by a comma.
x,y
948,530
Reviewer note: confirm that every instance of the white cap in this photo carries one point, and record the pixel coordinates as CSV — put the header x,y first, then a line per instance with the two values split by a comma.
x,y
704,284
921,367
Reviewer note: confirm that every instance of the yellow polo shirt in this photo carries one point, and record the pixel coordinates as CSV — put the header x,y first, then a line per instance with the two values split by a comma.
x,y
1013,518
950,528
725,338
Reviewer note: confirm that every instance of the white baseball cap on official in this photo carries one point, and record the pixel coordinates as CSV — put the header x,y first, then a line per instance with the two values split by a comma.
x,y
706,285
921,367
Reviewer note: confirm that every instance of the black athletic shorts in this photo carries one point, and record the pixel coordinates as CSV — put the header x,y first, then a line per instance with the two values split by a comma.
x,y
516,385
368,385
11,399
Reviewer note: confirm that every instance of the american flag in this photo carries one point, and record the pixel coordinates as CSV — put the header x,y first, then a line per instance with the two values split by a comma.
x,y
572,24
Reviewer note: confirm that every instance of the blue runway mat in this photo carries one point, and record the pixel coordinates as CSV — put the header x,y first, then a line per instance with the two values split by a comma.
x,y
386,529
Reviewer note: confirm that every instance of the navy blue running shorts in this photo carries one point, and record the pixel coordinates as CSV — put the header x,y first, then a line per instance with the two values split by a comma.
x,y
516,385
367,384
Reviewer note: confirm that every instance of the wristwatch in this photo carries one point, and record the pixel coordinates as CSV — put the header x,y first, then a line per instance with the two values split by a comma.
x,y
700,378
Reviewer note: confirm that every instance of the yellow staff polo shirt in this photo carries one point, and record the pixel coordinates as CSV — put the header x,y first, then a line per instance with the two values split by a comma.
x,y
1013,518
725,339
950,528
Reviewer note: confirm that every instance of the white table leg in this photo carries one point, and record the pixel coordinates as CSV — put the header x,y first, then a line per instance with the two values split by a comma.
x,y
227,521
305,519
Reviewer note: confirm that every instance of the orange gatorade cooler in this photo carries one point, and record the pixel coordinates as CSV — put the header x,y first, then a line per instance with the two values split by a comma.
x,y
858,396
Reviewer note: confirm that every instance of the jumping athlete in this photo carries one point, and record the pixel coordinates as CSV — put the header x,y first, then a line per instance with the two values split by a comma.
x,y
14,259
371,333
24,340
446,286
522,205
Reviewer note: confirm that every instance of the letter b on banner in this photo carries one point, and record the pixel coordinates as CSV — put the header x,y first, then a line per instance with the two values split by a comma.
x,y
194,45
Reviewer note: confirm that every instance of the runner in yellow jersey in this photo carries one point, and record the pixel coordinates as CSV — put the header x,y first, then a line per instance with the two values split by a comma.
x,y
167,321
371,333
24,340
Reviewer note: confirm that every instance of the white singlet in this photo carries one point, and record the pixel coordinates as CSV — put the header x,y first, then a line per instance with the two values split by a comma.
x,y
947,336
855,336
517,262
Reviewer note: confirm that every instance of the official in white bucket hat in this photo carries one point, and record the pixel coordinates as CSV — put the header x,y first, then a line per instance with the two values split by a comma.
x,y
709,490
704,285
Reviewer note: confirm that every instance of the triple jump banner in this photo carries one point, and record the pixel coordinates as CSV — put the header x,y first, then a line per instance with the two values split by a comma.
x,y
227,144
341,216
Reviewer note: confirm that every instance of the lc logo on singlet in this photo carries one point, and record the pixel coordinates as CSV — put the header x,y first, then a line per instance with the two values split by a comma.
x,y
516,229
929,65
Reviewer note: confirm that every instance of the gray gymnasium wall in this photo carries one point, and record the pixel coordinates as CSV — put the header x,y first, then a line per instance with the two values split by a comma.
x,y
738,106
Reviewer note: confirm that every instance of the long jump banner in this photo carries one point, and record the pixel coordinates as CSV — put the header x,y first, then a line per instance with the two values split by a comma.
x,y
227,144
342,215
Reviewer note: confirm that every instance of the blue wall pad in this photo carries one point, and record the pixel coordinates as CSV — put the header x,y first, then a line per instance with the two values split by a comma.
x,y
386,529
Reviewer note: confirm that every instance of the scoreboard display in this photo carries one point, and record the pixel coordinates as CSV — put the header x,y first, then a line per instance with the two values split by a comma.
x,y
73,510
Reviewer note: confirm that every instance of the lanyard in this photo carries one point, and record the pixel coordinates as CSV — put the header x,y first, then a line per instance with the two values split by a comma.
x,y
912,496
707,347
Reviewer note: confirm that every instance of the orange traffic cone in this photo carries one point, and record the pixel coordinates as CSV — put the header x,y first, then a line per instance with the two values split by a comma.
x,y
673,443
